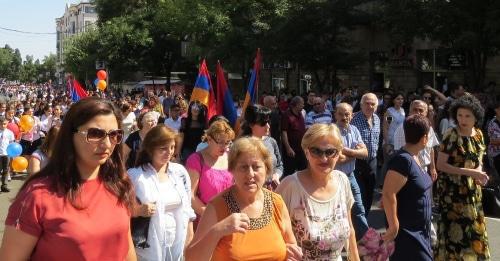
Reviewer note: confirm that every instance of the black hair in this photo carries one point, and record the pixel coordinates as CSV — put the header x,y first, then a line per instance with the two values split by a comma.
x,y
255,114
471,103
415,126
217,118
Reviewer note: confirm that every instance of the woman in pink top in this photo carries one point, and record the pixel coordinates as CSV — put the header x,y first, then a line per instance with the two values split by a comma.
x,y
208,167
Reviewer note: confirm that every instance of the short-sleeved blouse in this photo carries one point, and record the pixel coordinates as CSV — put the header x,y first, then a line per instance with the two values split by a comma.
x,y
100,231
321,227
212,181
263,243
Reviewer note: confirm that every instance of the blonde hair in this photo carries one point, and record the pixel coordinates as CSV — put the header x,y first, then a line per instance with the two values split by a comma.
x,y
321,131
250,145
219,128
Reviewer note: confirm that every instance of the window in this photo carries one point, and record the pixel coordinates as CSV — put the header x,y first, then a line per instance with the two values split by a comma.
x,y
73,27
89,9
278,84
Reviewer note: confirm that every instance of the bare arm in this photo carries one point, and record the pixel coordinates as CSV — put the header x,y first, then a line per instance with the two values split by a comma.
x,y
33,166
284,139
198,206
178,144
189,236
205,239
477,174
432,166
494,141
294,252
393,183
17,245
441,97
359,152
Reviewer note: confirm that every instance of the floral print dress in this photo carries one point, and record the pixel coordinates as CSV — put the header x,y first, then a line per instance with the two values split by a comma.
x,y
461,225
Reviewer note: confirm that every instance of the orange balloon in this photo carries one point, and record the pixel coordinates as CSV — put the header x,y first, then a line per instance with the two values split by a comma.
x,y
26,123
102,85
102,75
19,164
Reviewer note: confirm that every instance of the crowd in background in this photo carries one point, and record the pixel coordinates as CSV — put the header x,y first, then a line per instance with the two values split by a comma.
x,y
306,169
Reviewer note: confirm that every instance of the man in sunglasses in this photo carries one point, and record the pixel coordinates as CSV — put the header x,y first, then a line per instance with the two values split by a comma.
x,y
319,114
354,148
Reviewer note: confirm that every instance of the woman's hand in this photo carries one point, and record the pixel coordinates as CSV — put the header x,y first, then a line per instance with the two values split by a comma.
x,y
293,252
390,233
290,152
235,223
148,209
480,177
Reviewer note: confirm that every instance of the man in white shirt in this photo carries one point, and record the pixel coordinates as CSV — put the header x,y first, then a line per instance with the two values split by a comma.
x,y
426,155
6,137
174,121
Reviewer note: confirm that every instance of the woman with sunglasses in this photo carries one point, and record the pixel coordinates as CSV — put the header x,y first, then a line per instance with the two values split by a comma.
x,y
191,130
145,122
78,207
208,167
319,198
164,189
257,119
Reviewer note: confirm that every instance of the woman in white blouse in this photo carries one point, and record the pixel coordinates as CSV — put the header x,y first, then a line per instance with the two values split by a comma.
x,y
319,199
164,190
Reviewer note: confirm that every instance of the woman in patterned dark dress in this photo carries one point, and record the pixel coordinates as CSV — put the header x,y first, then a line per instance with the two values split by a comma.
x,y
461,226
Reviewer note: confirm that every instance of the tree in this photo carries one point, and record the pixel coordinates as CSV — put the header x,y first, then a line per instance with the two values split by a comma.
x,y
316,35
464,26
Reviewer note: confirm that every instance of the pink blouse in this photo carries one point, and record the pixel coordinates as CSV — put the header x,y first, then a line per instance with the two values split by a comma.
x,y
212,181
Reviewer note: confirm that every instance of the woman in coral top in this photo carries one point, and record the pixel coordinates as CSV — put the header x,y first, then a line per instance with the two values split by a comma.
x,y
78,207
246,221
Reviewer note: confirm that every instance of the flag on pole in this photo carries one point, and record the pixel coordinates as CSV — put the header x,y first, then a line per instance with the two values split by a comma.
x,y
225,103
76,90
252,89
253,84
203,91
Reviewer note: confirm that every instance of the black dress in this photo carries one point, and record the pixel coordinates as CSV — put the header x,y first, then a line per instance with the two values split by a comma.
x,y
413,209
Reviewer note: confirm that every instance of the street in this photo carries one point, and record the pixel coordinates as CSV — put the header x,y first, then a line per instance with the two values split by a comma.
x,y
376,218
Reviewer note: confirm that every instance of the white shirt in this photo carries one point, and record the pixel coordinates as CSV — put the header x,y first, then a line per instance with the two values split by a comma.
x,y
6,137
424,155
173,124
168,226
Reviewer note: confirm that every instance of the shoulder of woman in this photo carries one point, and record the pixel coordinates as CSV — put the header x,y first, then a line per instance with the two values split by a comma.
x,y
288,183
177,169
37,187
134,173
342,177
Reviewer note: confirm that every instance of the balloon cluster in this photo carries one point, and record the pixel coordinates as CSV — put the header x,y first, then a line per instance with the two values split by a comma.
x,y
100,82
19,163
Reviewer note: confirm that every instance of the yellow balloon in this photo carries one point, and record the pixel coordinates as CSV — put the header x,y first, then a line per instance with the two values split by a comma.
x,y
102,85
19,164
26,123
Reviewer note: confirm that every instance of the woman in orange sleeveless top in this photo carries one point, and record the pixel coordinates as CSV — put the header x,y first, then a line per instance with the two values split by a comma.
x,y
246,221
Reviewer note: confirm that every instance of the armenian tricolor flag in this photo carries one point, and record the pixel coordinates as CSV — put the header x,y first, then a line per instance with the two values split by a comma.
x,y
203,91
225,103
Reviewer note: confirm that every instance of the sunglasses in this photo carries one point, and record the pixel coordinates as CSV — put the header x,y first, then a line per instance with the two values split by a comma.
x,y
427,97
329,153
96,135
263,123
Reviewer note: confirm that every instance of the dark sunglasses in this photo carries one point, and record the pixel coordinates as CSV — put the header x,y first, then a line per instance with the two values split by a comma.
x,y
95,135
263,122
427,97
329,153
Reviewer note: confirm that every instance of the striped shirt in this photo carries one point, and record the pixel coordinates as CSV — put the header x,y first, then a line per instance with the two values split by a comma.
x,y
318,117
370,135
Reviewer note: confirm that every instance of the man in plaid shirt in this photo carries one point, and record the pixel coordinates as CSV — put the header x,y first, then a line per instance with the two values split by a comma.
x,y
368,124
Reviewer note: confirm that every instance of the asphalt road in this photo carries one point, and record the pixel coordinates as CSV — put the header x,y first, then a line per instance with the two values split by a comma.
x,y
376,219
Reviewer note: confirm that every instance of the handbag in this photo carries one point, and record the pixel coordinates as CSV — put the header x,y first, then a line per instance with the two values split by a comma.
x,y
139,227
491,201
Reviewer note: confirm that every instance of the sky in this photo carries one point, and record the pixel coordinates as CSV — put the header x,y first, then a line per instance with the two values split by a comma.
x,y
31,16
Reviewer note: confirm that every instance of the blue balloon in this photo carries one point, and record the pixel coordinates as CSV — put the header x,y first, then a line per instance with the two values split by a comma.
x,y
14,150
96,81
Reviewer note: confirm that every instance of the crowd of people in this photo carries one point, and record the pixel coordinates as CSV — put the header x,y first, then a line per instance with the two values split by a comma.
x,y
147,176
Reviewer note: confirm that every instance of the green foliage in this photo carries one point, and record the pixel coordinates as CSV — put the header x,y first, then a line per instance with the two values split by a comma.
x,y
13,68
466,26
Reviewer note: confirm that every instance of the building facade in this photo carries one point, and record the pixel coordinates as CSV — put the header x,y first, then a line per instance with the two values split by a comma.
x,y
77,18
